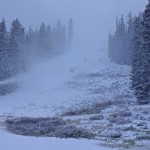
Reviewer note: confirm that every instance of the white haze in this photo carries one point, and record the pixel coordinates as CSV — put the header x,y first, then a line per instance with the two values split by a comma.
x,y
93,19
50,87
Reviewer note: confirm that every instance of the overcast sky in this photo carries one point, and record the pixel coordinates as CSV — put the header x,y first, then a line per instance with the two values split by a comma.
x,y
93,19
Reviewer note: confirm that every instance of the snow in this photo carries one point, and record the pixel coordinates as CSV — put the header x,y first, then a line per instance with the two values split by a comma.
x,y
14,142
60,83
44,84
42,91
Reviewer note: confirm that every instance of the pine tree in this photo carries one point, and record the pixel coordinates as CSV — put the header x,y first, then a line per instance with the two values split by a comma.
x,y
64,38
121,42
129,37
111,50
145,60
58,36
141,57
4,55
48,37
70,32
137,58
16,46
42,40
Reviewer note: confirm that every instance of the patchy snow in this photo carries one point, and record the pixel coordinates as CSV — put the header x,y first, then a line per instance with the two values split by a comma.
x,y
43,92
71,81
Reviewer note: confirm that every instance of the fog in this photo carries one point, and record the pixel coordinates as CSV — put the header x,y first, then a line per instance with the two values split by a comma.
x,y
93,19
66,83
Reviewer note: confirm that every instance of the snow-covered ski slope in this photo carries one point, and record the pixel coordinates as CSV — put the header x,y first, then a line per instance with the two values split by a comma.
x,y
43,86
44,92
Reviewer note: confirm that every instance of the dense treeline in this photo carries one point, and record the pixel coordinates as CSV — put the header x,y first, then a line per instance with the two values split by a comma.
x,y
120,42
141,57
19,47
133,47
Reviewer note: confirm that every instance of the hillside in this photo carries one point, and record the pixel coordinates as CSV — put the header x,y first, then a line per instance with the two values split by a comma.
x,y
86,89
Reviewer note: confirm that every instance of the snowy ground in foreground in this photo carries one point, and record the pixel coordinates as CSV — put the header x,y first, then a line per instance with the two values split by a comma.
x,y
52,87
43,92
14,142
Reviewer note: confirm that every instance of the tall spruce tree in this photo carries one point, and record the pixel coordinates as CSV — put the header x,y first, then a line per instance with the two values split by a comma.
x,y
48,37
141,57
16,46
129,37
70,32
137,59
4,55
58,36
42,36
121,42
145,60
63,38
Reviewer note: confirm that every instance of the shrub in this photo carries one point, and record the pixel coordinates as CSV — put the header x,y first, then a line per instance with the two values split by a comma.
x,y
97,117
50,127
73,132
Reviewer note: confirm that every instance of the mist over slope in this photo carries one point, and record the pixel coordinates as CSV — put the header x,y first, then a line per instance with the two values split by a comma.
x,y
44,82
93,19
80,85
